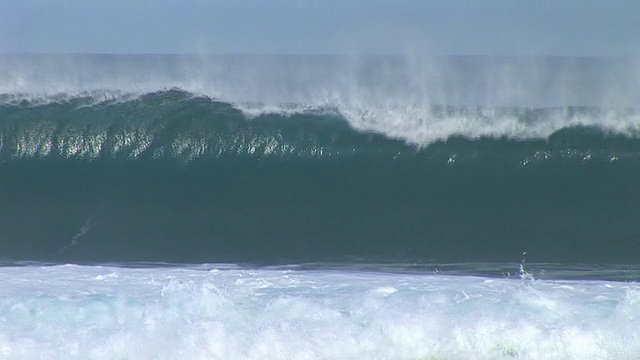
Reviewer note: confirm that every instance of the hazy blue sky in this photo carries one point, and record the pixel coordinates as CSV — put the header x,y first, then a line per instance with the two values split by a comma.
x,y
495,27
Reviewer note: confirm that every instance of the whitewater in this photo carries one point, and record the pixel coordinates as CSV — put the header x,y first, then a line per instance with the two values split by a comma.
x,y
229,312
318,207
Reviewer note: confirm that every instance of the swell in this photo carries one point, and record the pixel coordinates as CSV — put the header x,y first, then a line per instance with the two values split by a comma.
x,y
174,177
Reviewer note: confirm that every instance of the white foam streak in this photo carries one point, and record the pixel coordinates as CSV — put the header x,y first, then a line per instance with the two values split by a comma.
x,y
421,127
74,312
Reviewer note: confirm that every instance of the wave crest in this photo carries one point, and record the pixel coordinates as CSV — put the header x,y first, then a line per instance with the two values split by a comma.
x,y
187,126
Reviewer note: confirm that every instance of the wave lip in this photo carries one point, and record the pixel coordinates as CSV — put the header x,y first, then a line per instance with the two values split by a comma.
x,y
184,126
423,127
418,100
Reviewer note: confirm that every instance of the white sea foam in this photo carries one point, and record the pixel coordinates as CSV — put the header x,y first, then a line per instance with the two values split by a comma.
x,y
94,312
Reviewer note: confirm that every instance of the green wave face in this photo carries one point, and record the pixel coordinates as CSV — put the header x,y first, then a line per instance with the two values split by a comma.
x,y
170,176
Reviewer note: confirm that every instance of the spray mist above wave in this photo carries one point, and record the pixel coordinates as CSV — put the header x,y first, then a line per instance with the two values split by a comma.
x,y
418,100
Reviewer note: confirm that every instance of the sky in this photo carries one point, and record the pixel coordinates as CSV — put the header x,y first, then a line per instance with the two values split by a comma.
x,y
441,27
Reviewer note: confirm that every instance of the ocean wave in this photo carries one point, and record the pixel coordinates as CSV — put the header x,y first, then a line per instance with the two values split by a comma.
x,y
177,177
154,158
187,126
418,100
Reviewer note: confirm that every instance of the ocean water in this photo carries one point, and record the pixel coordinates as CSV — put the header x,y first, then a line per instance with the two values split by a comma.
x,y
288,207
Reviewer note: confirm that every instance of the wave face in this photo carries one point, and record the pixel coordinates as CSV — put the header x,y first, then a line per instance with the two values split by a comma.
x,y
131,166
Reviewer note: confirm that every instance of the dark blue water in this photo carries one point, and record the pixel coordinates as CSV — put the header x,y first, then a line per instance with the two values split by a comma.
x,y
91,170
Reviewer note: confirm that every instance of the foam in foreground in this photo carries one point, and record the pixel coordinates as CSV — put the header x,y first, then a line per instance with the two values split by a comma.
x,y
222,312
